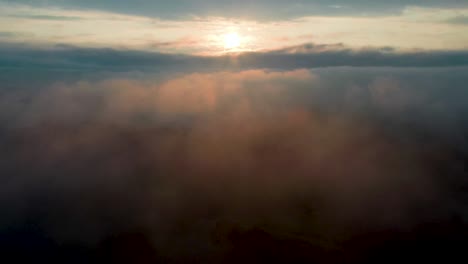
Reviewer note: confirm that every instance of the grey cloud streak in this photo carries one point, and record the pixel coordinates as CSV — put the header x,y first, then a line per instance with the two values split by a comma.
x,y
261,9
305,56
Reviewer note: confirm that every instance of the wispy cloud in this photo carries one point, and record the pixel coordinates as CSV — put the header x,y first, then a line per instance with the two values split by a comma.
x,y
270,10
463,20
47,17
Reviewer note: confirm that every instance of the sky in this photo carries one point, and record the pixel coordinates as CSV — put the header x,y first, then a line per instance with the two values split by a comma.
x,y
203,131
200,27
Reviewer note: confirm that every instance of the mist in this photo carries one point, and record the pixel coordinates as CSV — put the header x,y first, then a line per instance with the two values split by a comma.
x,y
332,165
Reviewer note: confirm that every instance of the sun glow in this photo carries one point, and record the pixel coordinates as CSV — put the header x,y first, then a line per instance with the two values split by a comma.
x,y
231,41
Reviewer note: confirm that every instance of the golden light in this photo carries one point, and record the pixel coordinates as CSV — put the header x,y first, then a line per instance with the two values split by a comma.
x,y
231,41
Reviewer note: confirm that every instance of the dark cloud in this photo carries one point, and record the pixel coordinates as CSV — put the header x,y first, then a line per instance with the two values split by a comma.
x,y
10,34
69,58
260,9
328,165
47,17
7,34
311,56
463,20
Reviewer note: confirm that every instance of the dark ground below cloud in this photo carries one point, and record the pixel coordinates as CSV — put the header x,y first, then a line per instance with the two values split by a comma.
x,y
433,242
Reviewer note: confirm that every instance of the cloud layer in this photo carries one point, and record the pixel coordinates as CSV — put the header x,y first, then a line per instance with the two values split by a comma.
x,y
203,163
88,60
132,132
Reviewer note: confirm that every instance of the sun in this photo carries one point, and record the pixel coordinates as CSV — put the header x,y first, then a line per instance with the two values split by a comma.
x,y
232,41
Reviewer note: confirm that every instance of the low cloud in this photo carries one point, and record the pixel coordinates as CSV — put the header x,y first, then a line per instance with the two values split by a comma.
x,y
195,161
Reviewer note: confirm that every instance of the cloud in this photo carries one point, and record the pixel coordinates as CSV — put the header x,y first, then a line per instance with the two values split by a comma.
x,y
463,20
195,161
93,28
88,60
47,17
269,10
9,35
313,153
